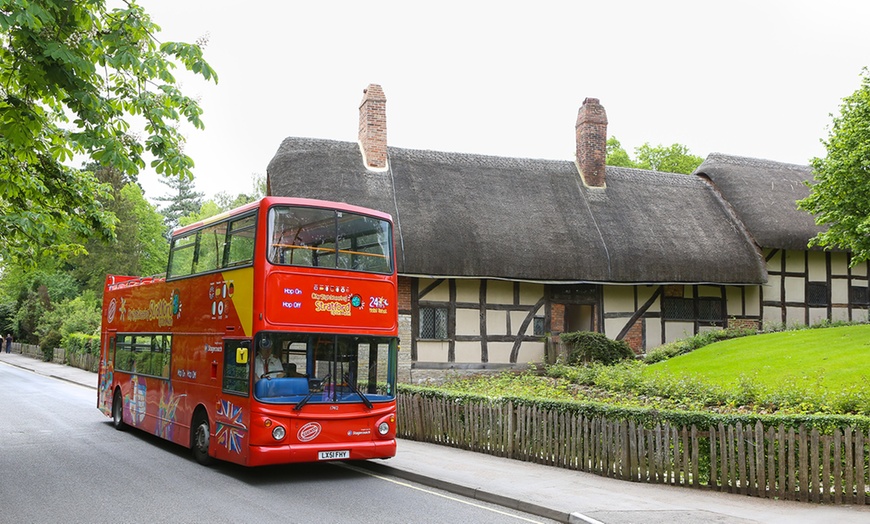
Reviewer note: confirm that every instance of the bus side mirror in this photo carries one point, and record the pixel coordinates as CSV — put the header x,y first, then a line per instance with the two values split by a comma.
x,y
242,353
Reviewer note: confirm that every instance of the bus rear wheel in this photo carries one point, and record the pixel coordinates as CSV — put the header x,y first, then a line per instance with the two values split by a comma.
x,y
118,412
201,437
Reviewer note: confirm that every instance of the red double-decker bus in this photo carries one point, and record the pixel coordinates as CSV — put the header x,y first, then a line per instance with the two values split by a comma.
x,y
271,339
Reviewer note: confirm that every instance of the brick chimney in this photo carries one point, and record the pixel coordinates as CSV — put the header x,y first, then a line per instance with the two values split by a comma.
x,y
591,131
373,127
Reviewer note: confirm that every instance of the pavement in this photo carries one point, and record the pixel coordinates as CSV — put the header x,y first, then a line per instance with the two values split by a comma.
x,y
549,492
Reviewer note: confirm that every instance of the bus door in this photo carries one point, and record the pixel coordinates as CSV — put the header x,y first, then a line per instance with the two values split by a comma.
x,y
232,416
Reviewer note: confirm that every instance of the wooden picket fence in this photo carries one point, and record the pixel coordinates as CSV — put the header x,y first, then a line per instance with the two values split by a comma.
x,y
60,356
781,463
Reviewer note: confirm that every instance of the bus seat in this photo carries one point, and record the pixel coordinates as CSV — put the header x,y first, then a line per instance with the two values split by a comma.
x,y
280,387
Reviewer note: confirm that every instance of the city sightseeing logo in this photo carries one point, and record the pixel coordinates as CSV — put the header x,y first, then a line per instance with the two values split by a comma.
x,y
161,310
113,308
335,300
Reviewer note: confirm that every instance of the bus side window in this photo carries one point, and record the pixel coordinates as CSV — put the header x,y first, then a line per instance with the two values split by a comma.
x,y
240,242
210,250
181,256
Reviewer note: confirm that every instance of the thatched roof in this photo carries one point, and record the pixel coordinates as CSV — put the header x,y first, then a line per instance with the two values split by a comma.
x,y
763,194
461,215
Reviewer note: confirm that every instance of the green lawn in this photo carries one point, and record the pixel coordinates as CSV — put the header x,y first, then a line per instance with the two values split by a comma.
x,y
834,359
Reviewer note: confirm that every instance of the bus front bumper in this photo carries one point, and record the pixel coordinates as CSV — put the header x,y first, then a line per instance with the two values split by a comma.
x,y
286,454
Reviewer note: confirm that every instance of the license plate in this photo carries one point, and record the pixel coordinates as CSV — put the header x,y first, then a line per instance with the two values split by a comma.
x,y
333,455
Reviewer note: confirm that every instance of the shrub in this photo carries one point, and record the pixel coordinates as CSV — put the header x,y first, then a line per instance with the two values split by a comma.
x,y
586,346
583,375
624,376
47,344
79,315
82,344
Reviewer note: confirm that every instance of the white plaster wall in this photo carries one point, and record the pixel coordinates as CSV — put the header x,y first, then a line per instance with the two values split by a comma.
x,y
794,315
467,322
467,352
817,271
794,289
839,291
733,302
772,314
753,300
499,292
678,330
530,294
517,318
839,264
840,314
532,352
775,260
612,326
432,351
468,291
860,270
440,293
794,261
653,330
618,299
499,352
496,322
643,294
818,314
771,289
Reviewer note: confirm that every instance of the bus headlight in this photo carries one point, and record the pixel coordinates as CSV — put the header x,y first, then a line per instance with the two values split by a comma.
x,y
279,432
383,428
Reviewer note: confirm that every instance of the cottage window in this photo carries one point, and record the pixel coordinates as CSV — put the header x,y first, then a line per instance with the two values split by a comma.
x,y
817,294
709,309
433,322
859,295
678,309
538,327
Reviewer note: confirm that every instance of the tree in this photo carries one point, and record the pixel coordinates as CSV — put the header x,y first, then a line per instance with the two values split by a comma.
x,y
31,292
72,74
183,201
840,196
616,155
139,248
226,201
675,158
223,202
670,159
209,208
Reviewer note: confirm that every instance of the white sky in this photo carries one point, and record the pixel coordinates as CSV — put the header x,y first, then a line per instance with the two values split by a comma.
x,y
751,78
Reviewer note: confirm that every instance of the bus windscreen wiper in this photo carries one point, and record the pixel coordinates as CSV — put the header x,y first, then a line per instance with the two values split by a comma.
x,y
356,390
309,395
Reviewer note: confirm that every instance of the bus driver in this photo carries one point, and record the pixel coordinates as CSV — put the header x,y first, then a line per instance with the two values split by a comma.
x,y
266,363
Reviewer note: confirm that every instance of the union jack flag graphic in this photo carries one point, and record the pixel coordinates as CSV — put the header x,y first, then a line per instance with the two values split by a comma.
x,y
230,431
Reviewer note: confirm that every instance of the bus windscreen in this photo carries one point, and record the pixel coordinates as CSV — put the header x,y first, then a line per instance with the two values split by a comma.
x,y
302,368
305,236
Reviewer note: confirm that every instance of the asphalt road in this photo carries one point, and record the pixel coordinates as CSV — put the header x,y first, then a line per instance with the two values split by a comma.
x,y
61,461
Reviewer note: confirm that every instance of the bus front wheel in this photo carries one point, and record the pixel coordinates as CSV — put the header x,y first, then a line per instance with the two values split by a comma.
x,y
201,436
118,411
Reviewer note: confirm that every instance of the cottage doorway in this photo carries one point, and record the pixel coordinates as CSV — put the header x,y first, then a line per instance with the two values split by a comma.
x,y
579,317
